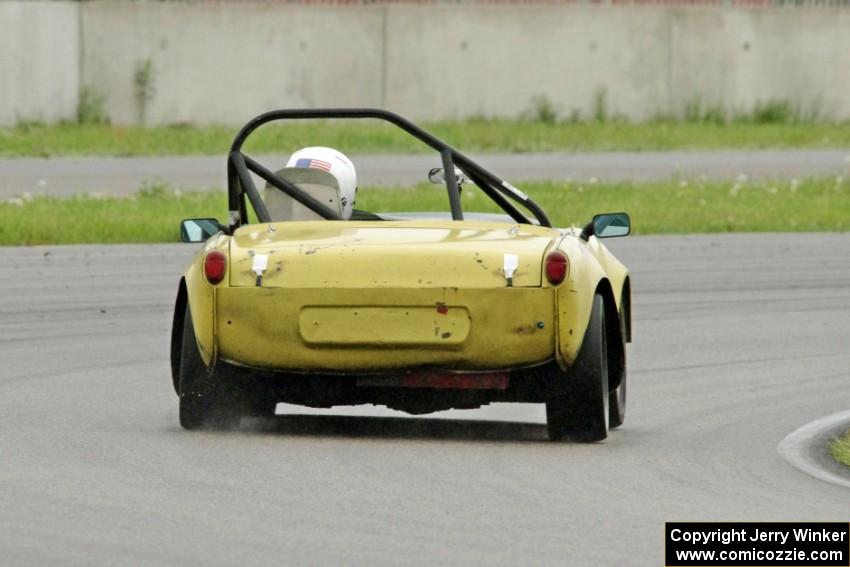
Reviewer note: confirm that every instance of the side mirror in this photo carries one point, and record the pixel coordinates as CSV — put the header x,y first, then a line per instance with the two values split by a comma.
x,y
437,176
199,230
607,225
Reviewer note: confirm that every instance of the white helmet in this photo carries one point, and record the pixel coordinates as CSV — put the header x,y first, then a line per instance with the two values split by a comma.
x,y
337,164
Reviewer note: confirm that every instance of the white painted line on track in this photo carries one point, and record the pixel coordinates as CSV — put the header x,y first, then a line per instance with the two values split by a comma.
x,y
805,448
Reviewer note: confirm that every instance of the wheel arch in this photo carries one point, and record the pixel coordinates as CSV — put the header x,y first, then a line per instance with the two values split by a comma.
x,y
574,300
198,297
626,308
614,332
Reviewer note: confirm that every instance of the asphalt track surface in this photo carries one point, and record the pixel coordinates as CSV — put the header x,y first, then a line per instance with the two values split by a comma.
x,y
65,176
739,340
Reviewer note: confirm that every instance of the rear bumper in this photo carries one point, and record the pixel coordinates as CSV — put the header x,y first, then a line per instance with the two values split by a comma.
x,y
368,330
429,391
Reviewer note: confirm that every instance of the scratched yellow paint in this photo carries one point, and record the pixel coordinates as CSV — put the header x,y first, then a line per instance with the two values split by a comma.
x,y
363,296
439,325
405,254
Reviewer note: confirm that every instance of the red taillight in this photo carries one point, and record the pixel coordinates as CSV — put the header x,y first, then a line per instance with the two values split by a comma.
x,y
557,267
215,264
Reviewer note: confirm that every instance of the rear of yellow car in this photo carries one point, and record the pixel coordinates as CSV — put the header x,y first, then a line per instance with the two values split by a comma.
x,y
420,316
355,297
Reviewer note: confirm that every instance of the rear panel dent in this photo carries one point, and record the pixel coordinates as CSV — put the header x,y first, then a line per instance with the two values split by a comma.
x,y
466,329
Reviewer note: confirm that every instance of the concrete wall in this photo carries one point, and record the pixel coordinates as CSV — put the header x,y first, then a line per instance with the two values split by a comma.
x,y
227,62
737,58
494,61
224,62
39,60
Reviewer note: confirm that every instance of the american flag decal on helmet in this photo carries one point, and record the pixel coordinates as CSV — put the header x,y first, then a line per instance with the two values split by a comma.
x,y
314,163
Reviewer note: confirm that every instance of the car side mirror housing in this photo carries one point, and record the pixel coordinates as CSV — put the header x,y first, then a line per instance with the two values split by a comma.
x,y
607,225
438,177
199,230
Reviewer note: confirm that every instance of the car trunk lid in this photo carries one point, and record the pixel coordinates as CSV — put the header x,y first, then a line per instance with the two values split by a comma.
x,y
388,254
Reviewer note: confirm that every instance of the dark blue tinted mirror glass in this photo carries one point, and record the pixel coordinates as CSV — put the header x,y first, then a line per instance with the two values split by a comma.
x,y
198,230
610,225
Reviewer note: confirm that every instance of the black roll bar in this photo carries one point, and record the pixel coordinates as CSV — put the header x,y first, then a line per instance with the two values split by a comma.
x,y
248,187
451,184
293,190
239,181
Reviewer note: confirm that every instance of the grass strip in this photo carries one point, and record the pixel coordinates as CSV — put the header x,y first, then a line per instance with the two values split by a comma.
x,y
840,449
671,207
375,137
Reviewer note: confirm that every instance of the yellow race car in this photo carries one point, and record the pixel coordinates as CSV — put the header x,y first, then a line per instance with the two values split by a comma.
x,y
320,304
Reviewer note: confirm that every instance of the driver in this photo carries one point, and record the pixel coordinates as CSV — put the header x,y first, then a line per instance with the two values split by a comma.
x,y
325,174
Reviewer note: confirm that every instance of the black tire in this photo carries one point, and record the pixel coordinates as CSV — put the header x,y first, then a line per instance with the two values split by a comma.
x,y
582,412
177,336
208,398
617,404
617,396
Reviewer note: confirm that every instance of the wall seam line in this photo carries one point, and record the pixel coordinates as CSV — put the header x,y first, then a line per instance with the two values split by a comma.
x,y
384,57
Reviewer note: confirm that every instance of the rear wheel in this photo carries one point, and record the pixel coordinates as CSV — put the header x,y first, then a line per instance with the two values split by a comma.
x,y
208,399
617,404
582,412
617,397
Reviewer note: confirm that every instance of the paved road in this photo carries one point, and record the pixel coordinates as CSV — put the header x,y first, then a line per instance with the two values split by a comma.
x,y
65,176
740,339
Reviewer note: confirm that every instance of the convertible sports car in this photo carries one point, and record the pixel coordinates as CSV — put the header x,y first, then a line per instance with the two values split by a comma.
x,y
315,304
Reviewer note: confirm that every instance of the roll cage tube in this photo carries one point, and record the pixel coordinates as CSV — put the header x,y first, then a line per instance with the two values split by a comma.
x,y
240,184
451,185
